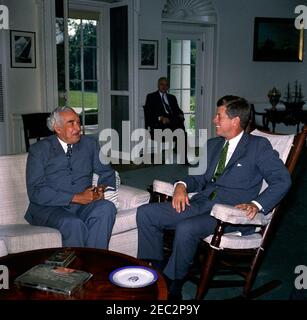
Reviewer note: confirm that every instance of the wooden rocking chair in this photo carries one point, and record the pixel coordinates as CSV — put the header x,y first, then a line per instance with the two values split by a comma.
x,y
228,251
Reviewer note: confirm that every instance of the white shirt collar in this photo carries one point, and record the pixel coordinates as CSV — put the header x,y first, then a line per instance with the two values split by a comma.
x,y
232,145
63,144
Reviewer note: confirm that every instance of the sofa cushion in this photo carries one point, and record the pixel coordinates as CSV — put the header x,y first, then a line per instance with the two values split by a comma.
x,y
3,250
235,240
125,221
130,197
13,192
20,237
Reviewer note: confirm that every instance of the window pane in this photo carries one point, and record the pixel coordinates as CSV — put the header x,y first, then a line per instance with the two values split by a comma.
x,y
177,94
193,76
90,63
193,52
186,51
186,77
74,32
185,103
89,32
193,101
75,63
176,51
119,113
119,48
175,77
75,96
90,95
192,121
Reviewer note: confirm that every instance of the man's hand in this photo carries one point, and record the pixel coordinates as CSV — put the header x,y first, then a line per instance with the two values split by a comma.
x,y
250,208
89,195
164,120
180,198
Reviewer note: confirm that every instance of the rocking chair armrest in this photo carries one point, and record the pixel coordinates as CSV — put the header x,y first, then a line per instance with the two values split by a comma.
x,y
166,188
233,215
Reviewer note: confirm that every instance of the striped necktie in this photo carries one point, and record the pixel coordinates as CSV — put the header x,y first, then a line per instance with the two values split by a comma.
x,y
69,151
165,104
219,168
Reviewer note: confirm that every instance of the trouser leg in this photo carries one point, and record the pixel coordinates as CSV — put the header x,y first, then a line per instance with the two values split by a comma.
x,y
152,220
99,218
73,230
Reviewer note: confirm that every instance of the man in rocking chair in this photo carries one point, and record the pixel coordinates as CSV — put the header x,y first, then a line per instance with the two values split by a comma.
x,y
236,166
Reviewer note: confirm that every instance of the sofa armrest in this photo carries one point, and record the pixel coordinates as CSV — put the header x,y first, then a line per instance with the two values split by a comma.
x,y
233,215
130,197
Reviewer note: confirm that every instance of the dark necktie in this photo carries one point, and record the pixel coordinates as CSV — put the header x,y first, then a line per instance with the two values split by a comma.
x,y
69,151
220,167
165,104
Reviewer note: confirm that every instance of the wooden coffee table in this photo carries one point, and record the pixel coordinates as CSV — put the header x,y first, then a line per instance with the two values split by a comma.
x,y
99,262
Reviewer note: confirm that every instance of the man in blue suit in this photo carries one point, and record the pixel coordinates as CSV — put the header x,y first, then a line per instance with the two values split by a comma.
x,y
247,161
59,183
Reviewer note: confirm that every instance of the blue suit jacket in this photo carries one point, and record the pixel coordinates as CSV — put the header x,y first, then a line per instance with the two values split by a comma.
x,y
52,182
252,161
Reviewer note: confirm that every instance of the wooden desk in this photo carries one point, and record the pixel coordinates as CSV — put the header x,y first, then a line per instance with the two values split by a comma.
x,y
99,262
287,117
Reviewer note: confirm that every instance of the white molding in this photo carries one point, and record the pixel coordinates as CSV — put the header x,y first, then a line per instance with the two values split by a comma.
x,y
49,58
189,10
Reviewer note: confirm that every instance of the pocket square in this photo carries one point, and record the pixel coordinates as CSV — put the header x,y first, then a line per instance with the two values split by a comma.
x,y
239,165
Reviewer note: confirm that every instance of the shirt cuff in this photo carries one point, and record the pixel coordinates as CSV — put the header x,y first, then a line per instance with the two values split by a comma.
x,y
258,205
179,182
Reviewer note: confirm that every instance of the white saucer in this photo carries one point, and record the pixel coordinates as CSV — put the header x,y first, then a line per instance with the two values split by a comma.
x,y
133,277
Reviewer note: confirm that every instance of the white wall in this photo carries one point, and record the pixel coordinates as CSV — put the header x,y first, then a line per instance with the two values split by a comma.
x,y
24,85
237,72
150,28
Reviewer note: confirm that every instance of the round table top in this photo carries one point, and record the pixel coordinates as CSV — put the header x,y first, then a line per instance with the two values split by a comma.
x,y
96,261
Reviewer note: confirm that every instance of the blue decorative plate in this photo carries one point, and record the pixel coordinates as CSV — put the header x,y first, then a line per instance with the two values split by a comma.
x,y
133,277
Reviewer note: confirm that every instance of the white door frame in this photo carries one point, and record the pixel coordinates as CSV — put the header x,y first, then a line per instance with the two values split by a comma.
x,y
205,69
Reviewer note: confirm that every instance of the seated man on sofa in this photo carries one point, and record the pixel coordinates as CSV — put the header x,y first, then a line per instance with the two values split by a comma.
x,y
59,184
237,163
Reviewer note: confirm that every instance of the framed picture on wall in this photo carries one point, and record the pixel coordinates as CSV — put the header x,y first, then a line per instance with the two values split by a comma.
x,y
148,54
22,49
277,39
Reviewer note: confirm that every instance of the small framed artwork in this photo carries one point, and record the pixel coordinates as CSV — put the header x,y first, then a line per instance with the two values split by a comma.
x,y
23,49
148,54
277,39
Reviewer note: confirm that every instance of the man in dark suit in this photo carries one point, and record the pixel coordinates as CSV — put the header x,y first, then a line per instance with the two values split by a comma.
x,y
59,183
237,163
162,108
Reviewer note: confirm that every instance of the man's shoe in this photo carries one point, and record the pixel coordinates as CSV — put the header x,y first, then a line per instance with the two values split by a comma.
x,y
174,288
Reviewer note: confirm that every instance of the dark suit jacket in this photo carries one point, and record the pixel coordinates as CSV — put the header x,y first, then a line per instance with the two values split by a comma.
x,y
252,161
52,182
154,109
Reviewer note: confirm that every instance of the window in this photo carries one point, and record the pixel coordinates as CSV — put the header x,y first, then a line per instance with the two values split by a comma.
x,y
181,67
83,76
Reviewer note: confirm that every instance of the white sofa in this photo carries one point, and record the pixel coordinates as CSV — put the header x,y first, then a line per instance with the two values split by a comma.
x,y
17,235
